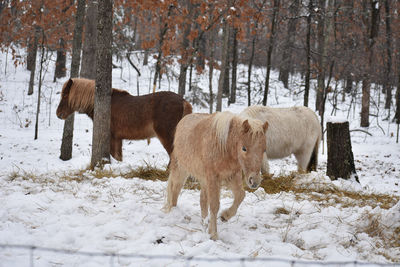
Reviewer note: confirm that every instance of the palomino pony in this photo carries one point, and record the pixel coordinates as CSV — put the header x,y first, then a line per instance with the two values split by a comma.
x,y
132,117
294,130
216,149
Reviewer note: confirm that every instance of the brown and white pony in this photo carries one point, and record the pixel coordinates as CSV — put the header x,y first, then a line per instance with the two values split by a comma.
x,y
132,117
294,130
216,149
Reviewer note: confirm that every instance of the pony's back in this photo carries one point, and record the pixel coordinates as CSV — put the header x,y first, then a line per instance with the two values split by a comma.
x,y
290,129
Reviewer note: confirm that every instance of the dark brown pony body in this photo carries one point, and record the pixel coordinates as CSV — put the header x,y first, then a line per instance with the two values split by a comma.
x,y
132,117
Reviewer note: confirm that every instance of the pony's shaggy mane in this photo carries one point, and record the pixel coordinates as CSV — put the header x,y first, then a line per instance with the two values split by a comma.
x,y
253,112
81,95
221,124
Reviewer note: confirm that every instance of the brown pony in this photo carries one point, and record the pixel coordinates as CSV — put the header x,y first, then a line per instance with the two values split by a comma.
x,y
132,117
216,149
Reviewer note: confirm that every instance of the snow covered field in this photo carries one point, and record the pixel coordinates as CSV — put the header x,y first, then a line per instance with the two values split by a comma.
x,y
41,206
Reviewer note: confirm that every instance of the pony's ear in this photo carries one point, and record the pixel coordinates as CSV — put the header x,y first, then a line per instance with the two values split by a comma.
x,y
265,127
246,126
68,86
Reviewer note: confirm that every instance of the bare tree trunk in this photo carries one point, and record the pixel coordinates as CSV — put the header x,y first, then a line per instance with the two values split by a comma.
x,y
33,60
366,86
249,69
387,81
232,98
308,53
163,31
289,42
340,154
30,60
397,113
224,63
321,17
68,131
349,83
184,54
88,68
60,70
270,48
102,96
211,68
39,88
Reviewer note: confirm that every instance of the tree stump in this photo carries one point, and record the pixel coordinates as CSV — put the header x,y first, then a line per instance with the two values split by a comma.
x,y
340,154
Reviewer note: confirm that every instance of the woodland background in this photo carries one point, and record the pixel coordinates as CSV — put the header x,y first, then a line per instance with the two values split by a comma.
x,y
354,41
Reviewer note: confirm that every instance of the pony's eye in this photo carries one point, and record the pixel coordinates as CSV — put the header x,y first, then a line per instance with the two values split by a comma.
x,y
244,149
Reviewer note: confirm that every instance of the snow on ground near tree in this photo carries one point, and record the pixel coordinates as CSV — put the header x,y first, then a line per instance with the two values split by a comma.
x,y
118,215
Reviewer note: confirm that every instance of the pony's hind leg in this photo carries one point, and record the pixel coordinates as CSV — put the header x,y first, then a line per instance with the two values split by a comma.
x,y
238,194
116,148
303,157
176,181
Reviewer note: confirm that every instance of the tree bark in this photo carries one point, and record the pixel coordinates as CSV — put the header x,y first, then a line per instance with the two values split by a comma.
x,y
366,85
68,131
88,68
39,88
387,84
308,53
33,59
102,96
184,53
224,63
321,17
270,49
232,98
163,31
340,154
289,42
250,68
397,113
60,70
211,69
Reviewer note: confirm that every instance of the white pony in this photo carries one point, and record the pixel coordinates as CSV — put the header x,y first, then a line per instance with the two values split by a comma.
x,y
294,130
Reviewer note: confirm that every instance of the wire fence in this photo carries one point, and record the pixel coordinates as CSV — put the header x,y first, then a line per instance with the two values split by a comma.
x,y
187,260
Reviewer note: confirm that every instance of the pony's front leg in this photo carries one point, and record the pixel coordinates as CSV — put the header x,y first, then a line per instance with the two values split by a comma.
x,y
116,148
213,196
238,196
204,201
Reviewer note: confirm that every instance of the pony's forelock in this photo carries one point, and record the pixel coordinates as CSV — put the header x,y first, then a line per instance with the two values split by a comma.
x,y
222,122
81,95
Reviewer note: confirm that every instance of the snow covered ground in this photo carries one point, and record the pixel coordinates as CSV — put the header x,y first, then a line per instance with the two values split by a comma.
x,y
40,206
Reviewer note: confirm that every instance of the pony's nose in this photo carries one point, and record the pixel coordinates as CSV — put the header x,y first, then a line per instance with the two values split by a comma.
x,y
253,184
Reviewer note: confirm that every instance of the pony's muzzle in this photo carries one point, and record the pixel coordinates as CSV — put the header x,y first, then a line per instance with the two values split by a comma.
x,y
253,181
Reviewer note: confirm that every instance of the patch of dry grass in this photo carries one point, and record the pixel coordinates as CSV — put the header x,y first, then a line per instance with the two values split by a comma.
x,y
326,194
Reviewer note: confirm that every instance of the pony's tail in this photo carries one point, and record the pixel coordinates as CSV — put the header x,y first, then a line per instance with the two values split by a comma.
x,y
312,164
187,108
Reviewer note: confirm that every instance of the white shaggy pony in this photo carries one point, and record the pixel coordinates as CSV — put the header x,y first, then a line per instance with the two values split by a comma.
x,y
294,130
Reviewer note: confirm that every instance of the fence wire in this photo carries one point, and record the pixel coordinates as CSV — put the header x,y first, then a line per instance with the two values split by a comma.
x,y
189,259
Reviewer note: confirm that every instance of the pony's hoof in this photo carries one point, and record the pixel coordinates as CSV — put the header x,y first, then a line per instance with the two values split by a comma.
x,y
167,208
214,236
225,216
